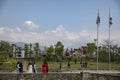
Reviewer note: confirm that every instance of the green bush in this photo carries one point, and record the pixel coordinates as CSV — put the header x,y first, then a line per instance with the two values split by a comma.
x,y
12,63
2,60
8,65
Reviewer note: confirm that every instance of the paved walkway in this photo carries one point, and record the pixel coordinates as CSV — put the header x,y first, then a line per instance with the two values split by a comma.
x,y
84,71
94,71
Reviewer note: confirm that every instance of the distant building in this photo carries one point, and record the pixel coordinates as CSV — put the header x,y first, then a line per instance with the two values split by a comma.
x,y
20,53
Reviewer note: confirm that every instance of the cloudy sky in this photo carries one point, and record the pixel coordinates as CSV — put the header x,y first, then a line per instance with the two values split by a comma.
x,y
73,22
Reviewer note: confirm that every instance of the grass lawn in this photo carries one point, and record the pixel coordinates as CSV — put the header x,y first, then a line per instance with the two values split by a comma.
x,y
54,66
91,65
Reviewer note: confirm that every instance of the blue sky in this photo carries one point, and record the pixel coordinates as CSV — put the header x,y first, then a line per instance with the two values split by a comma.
x,y
48,21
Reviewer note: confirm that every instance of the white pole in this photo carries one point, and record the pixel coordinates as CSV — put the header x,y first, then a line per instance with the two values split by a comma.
x,y
97,43
110,23
98,23
109,51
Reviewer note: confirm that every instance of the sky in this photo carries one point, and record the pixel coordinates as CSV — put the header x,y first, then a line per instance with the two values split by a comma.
x,y
73,22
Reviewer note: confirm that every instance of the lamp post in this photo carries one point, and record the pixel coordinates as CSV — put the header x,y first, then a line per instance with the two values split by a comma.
x,y
98,23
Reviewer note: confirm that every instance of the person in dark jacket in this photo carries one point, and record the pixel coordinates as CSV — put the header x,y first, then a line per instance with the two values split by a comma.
x,y
21,67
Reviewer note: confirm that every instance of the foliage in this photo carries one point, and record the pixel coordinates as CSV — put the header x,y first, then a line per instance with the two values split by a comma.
x,y
119,50
50,53
30,52
103,56
36,49
2,60
4,47
8,64
26,48
91,48
59,48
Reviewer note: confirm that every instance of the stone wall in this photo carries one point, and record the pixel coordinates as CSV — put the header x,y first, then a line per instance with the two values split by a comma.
x,y
57,76
40,76
104,76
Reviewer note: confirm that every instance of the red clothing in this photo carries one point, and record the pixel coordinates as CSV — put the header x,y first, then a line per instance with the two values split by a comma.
x,y
44,68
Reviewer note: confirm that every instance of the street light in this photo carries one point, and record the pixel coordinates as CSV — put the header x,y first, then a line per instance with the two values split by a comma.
x,y
98,23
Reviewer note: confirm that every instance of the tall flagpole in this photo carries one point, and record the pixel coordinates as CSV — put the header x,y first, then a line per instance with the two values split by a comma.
x,y
98,23
110,23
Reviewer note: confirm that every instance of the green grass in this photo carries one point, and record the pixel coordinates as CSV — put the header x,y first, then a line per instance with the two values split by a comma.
x,y
54,66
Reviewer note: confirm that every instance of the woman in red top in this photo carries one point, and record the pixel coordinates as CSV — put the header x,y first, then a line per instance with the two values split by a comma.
x,y
45,67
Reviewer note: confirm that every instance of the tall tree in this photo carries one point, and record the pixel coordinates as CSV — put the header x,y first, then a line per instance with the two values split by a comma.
x,y
26,49
50,52
36,49
91,49
59,48
4,48
30,52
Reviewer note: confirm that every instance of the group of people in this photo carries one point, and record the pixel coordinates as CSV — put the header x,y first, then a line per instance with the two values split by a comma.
x,y
31,68
19,67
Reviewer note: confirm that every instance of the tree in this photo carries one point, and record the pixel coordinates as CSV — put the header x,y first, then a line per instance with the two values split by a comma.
x,y
26,49
4,48
118,50
91,48
114,51
59,48
103,56
36,49
50,52
30,52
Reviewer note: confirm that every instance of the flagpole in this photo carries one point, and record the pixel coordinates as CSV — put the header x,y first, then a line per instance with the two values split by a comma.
x,y
97,43
109,51
98,23
110,23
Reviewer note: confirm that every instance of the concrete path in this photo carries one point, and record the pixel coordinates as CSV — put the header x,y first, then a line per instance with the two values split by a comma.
x,y
79,71
94,71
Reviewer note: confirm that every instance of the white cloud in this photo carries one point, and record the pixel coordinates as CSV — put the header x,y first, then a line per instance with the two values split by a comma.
x,y
17,29
31,25
68,38
59,29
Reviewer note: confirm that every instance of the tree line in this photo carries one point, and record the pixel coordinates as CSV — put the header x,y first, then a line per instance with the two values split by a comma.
x,y
57,52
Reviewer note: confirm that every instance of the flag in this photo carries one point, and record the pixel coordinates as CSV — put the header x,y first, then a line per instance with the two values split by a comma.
x,y
98,18
110,21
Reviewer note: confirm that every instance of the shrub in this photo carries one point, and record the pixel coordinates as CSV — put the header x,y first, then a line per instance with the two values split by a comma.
x,y
2,59
8,65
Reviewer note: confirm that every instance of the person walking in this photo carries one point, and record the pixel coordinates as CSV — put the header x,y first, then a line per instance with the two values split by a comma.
x,y
45,67
69,65
30,68
34,68
18,67
60,64
21,67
